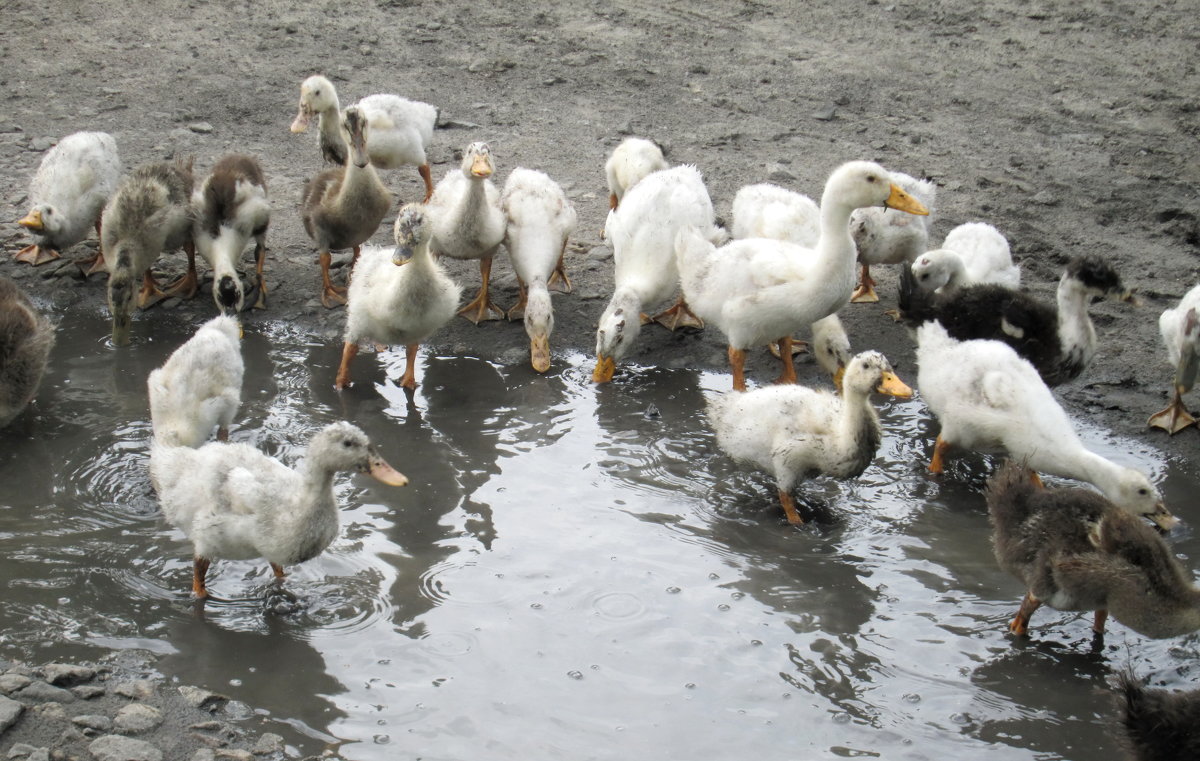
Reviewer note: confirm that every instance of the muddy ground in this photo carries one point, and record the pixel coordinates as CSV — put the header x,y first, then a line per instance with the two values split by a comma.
x,y
1071,127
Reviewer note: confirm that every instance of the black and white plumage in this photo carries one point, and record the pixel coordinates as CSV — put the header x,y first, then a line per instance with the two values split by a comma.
x,y
231,208
1075,550
26,338
795,432
1180,330
882,236
1060,341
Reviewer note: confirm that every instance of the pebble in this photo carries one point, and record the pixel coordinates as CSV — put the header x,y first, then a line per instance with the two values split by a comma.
x,y
10,683
25,751
136,718
205,700
45,693
267,744
10,711
118,748
88,691
42,143
200,128
138,689
66,674
93,721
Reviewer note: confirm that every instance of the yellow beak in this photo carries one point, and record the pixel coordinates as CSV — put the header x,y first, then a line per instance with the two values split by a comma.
x,y
902,201
837,377
892,385
302,119
481,167
606,367
539,353
381,471
32,220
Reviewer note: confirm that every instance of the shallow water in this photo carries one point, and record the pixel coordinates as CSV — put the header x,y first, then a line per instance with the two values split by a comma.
x,y
573,572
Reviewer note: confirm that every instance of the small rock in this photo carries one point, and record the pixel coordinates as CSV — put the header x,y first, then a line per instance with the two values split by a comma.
x,y
118,748
45,693
364,50
87,691
825,113
204,754
200,128
136,718
9,127
67,674
1045,198
10,711
50,712
205,700
42,143
235,754
138,689
267,744
236,709
95,721
10,683
777,172
22,751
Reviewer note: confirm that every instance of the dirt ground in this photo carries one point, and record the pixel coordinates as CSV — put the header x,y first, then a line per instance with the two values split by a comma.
x,y
1070,127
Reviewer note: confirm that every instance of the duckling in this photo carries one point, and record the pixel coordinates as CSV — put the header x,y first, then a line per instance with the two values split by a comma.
x,y
989,399
769,211
629,162
972,253
1075,550
883,238
796,432
343,207
199,387
26,338
236,503
1180,330
72,184
758,289
1060,343
540,219
641,231
231,207
468,222
831,347
399,132
398,296
150,213
1160,725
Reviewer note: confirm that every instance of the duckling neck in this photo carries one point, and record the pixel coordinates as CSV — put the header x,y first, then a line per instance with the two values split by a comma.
x,y
956,273
333,146
1076,334
1078,462
362,193
836,252
859,434
471,211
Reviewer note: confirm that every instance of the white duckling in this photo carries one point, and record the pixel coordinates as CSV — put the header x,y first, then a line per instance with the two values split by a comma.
x,y
540,219
400,130
26,338
230,208
468,223
1180,330
398,296
236,503
795,432
642,231
769,211
759,289
150,213
972,253
629,162
886,238
342,208
72,184
988,399
199,387
831,347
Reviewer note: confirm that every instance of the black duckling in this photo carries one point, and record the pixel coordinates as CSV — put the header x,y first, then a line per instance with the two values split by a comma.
x,y
1060,341
1160,725
1075,550
26,338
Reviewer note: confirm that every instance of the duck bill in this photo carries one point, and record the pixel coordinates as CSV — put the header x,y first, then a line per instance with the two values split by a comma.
x,y
539,353
893,386
606,367
481,167
902,201
121,326
838,375
381,471
402,255
32,220
303,117
1130,298
358,149
1163,518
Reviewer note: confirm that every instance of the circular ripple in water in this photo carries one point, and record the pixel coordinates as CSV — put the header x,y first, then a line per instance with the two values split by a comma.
x,y
618,606
449,644
464,584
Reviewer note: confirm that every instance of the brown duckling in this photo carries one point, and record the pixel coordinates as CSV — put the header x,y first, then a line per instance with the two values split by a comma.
x,y
26,338
1160,725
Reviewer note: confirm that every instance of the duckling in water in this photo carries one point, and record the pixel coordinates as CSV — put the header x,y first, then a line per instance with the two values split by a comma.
x,y
795,432
1160,725
26,338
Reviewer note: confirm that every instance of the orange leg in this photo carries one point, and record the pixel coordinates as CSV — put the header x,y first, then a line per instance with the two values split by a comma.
x,y
482,307
199,571
278,570
1175,417
331,295
260,255
560,273
410,367
150,294
1036,480
518,310
1020,623
427,176
612,201
186,286
678,316
865,292
35,255
789,507
1098,621
737,361
96,264
788,375
939,452
349,350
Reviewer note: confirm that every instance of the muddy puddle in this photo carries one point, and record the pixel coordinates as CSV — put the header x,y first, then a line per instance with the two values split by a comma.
x,y
573,572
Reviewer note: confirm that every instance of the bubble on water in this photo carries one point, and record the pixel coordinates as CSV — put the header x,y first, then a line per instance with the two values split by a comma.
x,y
714,576
690,685
723,607
962,719
841,717
673,590
575,674
912,697
381,739
235,682
756,642
535,605
737,595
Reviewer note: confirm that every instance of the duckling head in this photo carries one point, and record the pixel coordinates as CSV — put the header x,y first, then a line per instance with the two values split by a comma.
x,y
343,446
1132,491
1098,279
354,132
870,371
121,296
477,161
860,184
619,326
412,228
539,324
316,96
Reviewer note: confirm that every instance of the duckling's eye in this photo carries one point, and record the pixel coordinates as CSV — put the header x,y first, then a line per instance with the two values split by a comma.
x,y
347,443
1144,491
871,178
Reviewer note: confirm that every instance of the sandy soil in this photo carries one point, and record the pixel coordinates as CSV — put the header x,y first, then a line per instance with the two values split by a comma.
x,y
1070,128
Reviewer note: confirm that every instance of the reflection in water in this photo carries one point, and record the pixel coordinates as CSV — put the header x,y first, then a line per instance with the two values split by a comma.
x,y
571,567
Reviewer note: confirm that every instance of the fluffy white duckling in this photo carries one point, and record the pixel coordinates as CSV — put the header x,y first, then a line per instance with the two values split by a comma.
x,y
630,161
972,253
642,232
883,237
540,219
342,208
26,338
230,208
150,213
795,432
72,184
769,211
398,296
831,347
199,387
468,223
400,130
988,399
1180,330
759,289
236,503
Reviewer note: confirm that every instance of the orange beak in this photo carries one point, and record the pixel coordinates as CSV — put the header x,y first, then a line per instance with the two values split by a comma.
x,y
32,220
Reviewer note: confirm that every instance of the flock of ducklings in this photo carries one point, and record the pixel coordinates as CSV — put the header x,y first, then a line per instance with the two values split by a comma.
x,y
988,352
